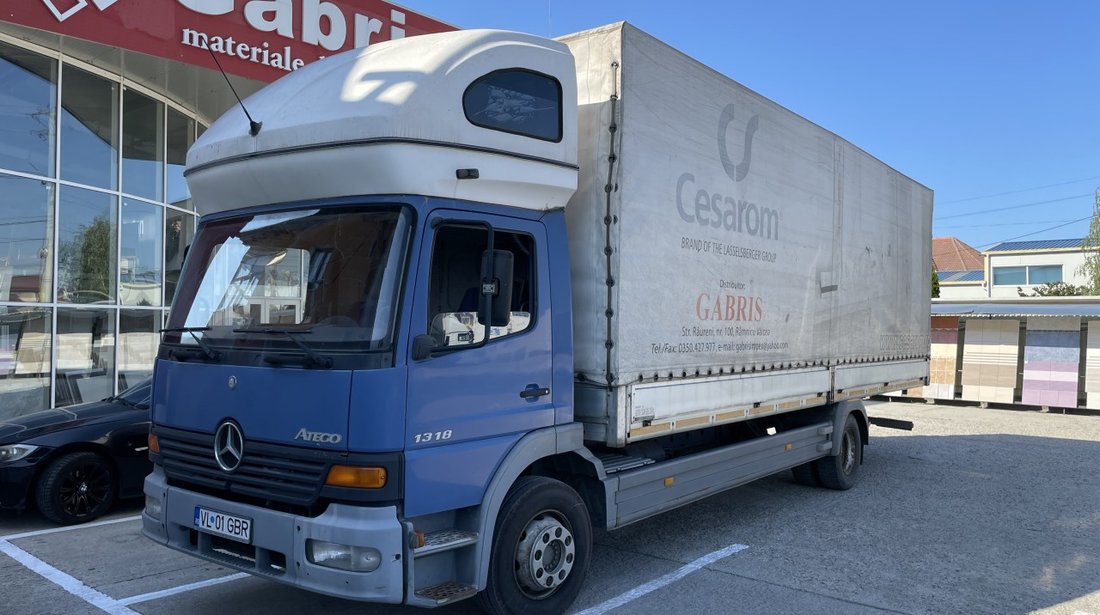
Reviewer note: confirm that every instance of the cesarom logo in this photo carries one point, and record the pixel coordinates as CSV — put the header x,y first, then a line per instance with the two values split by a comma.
x,y
712,209
739,171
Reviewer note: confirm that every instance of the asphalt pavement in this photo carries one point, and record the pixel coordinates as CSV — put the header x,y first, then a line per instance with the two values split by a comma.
x,y
974,511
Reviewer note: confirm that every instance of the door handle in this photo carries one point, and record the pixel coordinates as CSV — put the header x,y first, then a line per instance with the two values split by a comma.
x,y
533,393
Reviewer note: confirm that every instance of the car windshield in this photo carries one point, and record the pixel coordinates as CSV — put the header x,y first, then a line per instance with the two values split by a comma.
x,y
138,395
322,277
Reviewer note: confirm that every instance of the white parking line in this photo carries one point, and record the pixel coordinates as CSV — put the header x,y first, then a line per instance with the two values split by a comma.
x,y
668,579
164,593
68,583
74,587
66,528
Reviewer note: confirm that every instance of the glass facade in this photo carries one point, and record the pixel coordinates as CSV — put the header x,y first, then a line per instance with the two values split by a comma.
x,y
95,218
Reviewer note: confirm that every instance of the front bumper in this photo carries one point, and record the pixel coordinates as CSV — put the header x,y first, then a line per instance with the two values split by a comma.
x,y
278,549
16,479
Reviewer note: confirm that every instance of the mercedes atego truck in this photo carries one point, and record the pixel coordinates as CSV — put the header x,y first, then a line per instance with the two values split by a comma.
x,y
456,300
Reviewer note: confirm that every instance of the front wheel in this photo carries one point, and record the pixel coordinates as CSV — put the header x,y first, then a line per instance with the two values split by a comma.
x,y
541,549
842,471
76,488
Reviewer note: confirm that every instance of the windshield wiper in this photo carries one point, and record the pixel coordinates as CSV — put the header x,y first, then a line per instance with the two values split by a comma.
x,y
312,358
118,399
207,350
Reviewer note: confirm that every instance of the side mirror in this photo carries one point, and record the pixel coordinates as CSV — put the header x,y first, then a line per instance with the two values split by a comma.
x,y
496,287
422,347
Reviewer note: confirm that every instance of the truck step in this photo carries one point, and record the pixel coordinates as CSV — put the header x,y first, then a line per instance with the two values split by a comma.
x,y
444,540
446,593
615,462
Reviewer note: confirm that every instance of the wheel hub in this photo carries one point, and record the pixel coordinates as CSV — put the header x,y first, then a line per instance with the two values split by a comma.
x,y
849,453
545,555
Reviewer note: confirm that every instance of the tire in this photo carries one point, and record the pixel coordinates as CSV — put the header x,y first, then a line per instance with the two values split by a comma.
x,y
76,488
541,549
806,474
841,471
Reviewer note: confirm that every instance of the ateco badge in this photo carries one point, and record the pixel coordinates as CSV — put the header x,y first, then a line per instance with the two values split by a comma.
x,y
232,384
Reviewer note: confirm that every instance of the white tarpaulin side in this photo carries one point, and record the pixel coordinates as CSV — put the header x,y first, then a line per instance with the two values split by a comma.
x,y
743,236
594,51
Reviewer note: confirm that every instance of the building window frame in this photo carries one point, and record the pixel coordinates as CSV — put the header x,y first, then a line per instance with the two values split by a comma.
x,y
1028,275
116,307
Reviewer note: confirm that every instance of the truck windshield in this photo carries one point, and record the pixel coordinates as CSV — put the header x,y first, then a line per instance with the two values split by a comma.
x,y
323,278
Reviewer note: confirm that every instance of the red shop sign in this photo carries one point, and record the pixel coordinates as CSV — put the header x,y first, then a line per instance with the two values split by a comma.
x,y
257,39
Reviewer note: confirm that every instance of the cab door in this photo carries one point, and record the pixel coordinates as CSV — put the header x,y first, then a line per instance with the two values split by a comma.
x,y
479,389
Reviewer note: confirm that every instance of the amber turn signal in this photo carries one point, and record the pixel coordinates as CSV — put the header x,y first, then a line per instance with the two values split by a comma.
x,y
154,444
360,478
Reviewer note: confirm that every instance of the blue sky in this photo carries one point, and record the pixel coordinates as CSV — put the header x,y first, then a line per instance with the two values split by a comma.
x,y
995,105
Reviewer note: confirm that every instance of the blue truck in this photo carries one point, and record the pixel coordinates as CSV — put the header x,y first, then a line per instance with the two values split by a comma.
x,y
458,299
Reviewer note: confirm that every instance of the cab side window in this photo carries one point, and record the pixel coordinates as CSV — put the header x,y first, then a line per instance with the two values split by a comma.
x,y
516,101
456,299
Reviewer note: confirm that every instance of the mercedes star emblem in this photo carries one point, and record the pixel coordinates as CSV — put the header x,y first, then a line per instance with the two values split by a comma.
x,y
228,446
232,382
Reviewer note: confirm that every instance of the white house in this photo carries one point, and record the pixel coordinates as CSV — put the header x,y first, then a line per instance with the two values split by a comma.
x,y
1015,266
1009,268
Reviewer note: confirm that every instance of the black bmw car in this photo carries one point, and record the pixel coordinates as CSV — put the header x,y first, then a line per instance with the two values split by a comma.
x,y
73,462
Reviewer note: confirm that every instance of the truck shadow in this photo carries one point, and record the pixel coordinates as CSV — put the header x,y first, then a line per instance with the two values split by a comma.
x,y
972,523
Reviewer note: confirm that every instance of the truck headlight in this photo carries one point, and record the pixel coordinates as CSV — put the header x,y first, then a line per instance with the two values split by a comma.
x,y
15,452
343,557
153,507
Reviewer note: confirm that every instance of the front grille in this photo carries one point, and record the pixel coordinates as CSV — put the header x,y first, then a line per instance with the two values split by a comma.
x,y
268,472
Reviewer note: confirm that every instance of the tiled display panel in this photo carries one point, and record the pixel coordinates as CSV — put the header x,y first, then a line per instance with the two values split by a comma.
x,y
944,364
1052,356
1092,366
990,355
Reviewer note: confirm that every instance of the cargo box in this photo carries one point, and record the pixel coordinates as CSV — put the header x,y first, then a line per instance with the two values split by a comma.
x,y
730,258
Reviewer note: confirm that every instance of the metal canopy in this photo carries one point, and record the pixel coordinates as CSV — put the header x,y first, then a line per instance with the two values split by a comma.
x,y
991,310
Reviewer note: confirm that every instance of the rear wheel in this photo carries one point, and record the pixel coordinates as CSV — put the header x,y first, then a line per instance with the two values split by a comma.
x,y
842,471
541,549
76,488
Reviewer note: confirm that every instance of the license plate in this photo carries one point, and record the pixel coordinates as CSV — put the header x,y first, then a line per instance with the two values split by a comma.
x,y
235,528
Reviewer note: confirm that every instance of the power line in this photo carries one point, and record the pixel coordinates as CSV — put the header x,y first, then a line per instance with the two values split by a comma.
x,y
1051,228
997,209
989,196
